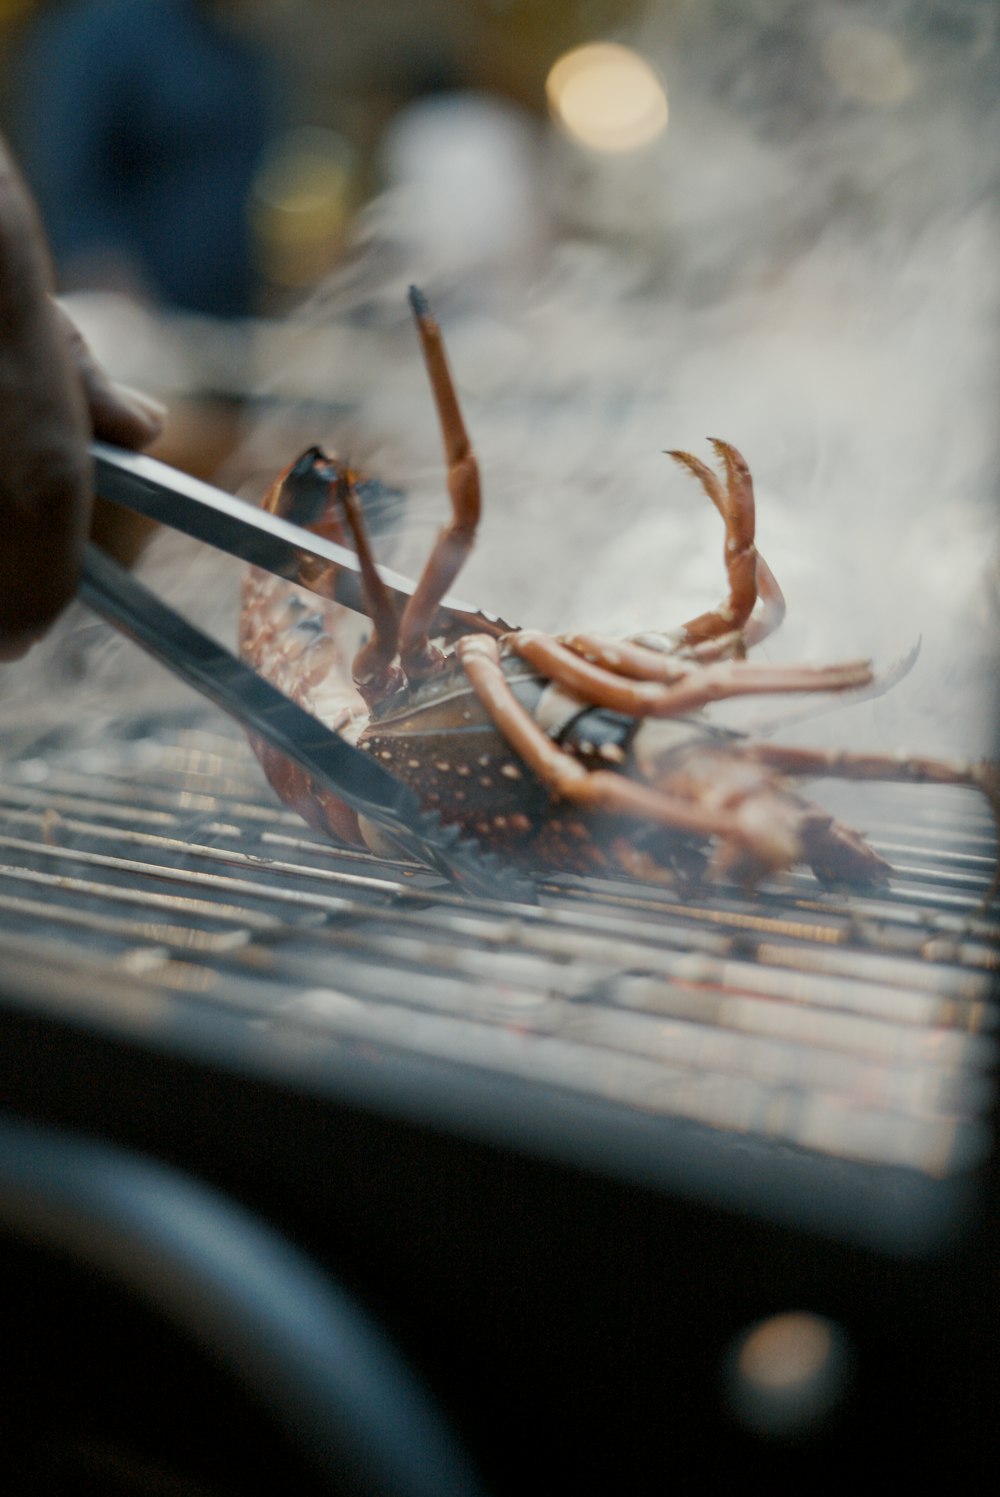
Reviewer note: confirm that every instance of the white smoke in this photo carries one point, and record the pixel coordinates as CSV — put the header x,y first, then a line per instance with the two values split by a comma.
x,y
804,264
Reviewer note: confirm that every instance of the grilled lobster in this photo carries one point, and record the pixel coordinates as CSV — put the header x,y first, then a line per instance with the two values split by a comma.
x,y
569,753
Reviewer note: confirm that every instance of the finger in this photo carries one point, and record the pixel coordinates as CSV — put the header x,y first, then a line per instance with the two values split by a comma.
x,y
45,474
16,646
118,414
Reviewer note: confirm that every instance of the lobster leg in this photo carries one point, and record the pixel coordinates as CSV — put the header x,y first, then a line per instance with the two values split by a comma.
x,y
642,658
631,658
761,843
911,769
455,540
373,672
735,504
674,688
772,612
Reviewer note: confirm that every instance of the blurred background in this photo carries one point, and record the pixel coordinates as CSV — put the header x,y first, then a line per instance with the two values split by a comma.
x,y
640,224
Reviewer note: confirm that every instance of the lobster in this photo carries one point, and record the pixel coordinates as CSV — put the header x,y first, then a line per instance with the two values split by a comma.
x,y
567,753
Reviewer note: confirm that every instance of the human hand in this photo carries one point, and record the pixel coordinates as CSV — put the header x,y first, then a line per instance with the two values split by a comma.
x,y
53,398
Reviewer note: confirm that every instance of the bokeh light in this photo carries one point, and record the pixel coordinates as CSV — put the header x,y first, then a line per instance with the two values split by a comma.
x,y
303,198
607,97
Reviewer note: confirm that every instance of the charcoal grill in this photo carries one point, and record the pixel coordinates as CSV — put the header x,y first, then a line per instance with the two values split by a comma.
x,y
568,1153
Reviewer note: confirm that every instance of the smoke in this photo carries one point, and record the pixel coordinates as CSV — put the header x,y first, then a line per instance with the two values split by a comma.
x,y
803,264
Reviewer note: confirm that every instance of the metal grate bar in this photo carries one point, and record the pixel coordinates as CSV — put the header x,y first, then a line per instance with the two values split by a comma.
x,y
852,1024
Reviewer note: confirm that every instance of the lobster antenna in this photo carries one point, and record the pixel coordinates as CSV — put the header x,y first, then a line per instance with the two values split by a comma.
x,y
454,542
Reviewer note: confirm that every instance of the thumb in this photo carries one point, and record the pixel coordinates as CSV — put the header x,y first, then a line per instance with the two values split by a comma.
x,y
118,414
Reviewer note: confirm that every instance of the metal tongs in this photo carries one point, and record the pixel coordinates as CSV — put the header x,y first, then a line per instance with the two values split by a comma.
x,y
151,488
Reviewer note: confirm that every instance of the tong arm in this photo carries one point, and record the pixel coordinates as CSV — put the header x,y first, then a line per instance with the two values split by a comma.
x,y
164,494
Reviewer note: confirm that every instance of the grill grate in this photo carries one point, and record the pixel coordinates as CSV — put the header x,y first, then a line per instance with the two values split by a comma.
x,y
852,1027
